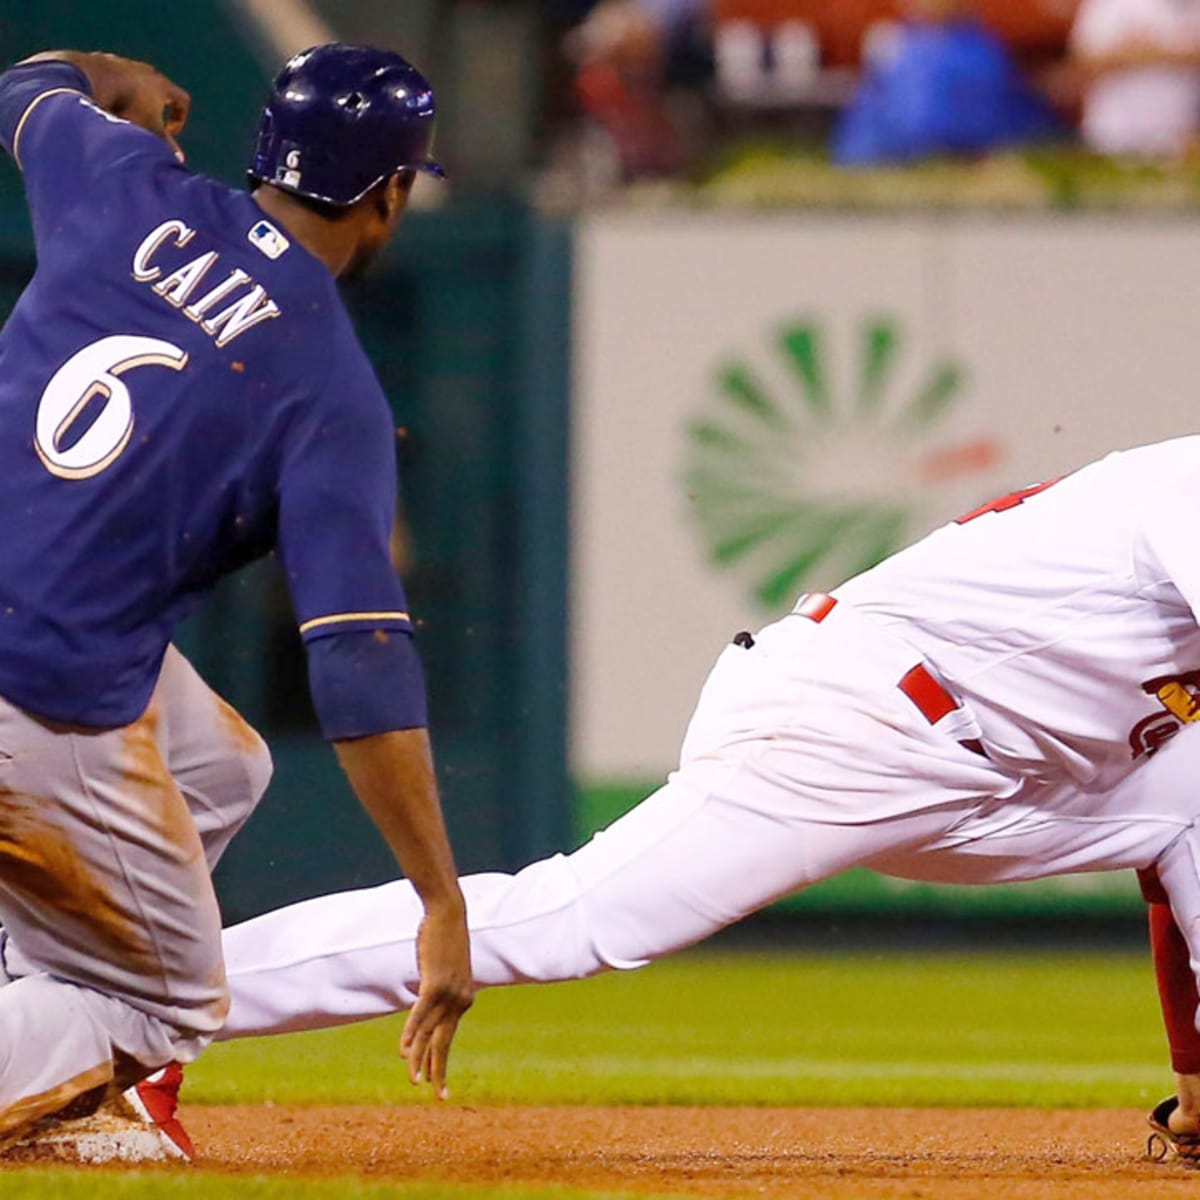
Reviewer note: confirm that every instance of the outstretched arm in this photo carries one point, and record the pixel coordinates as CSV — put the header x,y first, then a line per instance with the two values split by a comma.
x,y
392,774
337,502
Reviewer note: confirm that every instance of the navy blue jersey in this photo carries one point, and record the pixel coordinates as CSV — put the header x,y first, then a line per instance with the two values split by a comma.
x,y
180,391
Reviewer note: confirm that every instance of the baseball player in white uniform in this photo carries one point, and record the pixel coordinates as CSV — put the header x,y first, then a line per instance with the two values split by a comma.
x,y
1001,701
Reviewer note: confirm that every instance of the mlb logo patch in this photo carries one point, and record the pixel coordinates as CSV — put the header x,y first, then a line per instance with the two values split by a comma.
x,y
266,238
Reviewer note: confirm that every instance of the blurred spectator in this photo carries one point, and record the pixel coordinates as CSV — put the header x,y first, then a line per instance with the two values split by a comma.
x,y
946,86
687,38
683,27
1141,59
621,86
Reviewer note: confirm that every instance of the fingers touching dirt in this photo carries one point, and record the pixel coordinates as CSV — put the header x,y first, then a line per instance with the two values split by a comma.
x,y
446,992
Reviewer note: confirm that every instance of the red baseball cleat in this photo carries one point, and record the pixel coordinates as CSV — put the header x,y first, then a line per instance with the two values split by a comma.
x,y
156,1100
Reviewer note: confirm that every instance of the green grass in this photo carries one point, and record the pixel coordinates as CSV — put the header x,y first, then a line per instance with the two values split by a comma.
x,y
717,1028
709,1028
62,1184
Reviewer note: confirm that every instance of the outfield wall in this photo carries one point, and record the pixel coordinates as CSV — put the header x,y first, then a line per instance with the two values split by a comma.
x,y
767,404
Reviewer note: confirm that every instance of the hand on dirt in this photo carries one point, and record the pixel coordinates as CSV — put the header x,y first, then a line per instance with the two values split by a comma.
x,y
445,992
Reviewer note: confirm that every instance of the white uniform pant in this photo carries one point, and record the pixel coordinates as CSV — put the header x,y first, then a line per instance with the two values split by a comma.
x,y
111,954
797,765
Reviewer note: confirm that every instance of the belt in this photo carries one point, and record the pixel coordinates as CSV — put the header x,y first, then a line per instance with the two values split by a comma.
x,y
928,696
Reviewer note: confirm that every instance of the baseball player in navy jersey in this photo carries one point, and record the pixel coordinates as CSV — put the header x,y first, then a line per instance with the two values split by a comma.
x,y
1005,700
181,392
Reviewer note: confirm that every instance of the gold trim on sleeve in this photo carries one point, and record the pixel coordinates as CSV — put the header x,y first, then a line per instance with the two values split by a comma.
x,y
25,116
317,622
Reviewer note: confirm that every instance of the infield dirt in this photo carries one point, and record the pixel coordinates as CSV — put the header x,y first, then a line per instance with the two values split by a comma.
x,y
835,1154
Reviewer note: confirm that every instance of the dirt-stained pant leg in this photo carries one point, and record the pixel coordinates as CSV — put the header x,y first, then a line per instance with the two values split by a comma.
x,y
220,762
105,887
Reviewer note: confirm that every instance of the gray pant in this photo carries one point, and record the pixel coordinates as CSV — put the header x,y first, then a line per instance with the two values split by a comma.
x,y
112,930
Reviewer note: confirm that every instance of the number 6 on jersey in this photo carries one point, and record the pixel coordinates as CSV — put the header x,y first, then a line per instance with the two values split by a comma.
x,y
88,378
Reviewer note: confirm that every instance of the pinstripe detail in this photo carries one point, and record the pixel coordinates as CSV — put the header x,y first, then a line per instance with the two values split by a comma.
x,y
25,116
333,619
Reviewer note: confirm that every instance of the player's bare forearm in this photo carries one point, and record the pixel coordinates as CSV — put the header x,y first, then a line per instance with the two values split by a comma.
x,y
130,89
392,774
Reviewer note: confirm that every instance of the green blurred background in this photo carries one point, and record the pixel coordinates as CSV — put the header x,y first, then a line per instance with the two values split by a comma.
x,y
471,322
863,990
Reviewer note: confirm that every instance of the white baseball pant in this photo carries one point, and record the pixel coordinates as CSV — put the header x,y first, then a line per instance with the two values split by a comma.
x,y
803,759
111,953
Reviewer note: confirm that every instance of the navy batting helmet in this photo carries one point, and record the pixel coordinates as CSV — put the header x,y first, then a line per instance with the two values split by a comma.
x,y
341,118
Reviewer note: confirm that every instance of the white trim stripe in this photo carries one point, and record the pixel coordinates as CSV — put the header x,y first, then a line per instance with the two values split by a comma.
x,y
335,618
25,116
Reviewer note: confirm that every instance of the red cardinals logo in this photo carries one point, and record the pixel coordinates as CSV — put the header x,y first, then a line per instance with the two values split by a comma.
x,y
1180,698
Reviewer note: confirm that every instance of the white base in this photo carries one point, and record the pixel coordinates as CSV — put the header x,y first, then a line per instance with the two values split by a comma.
x,y
114,1134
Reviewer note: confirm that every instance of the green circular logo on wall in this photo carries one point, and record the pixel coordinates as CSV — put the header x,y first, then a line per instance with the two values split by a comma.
x,y
801,485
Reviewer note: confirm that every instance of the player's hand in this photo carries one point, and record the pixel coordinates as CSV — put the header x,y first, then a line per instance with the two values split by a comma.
x,y
445,992
132,90
146,97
